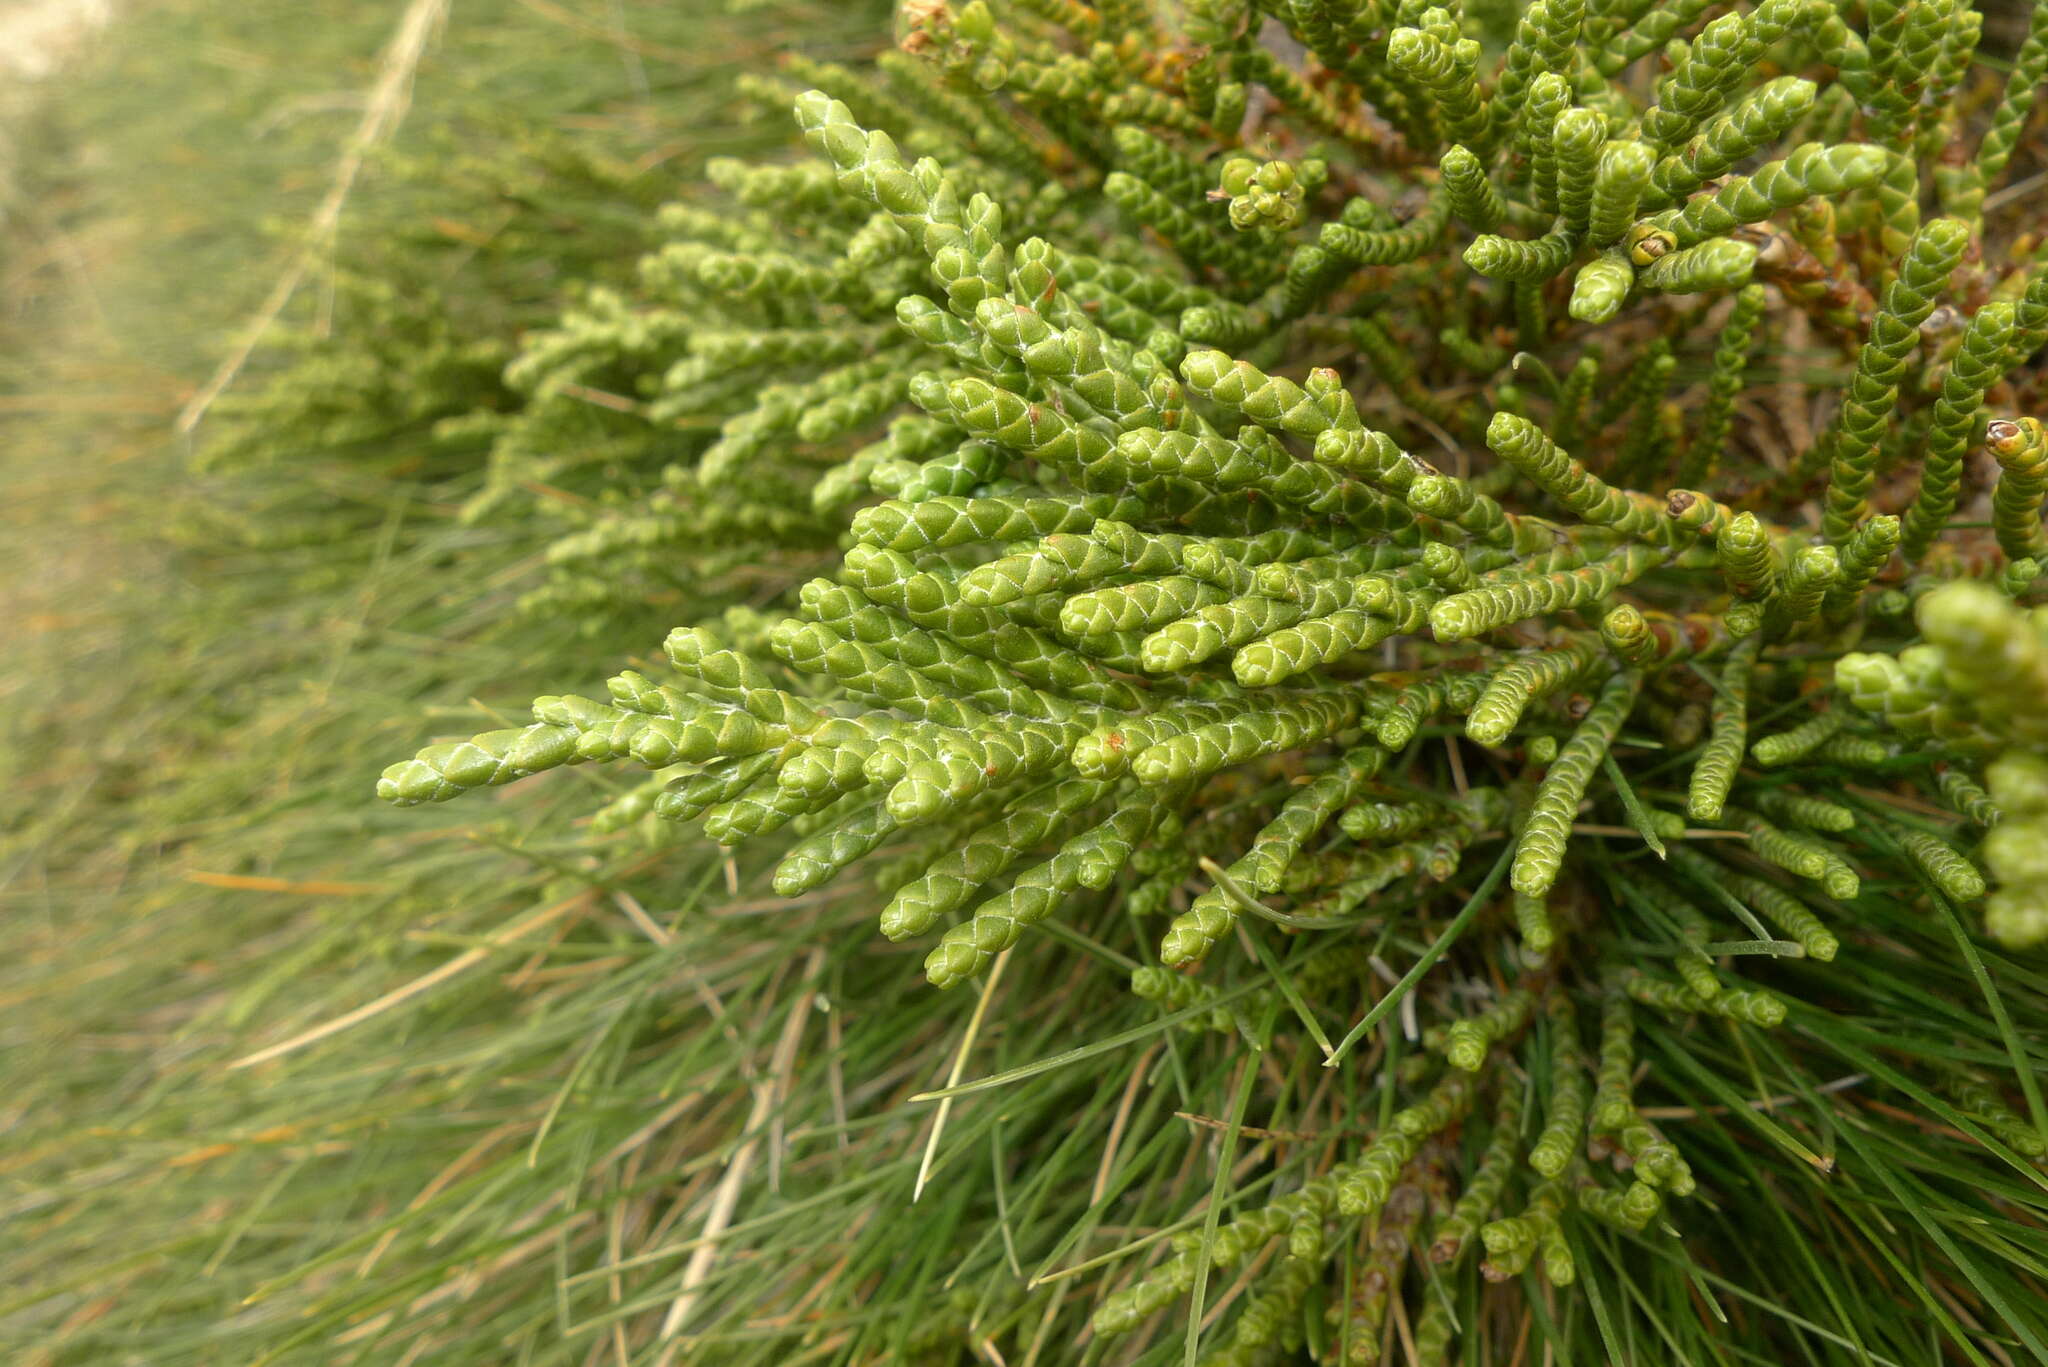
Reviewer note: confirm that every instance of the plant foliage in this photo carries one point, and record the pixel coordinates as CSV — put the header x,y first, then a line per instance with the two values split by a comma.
x,y
1480,561
1551,491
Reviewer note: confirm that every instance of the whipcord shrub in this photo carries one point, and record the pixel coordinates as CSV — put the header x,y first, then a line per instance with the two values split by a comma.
x,y
1506,532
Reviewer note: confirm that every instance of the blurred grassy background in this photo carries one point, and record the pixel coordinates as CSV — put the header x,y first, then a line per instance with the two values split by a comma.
x,y
204,662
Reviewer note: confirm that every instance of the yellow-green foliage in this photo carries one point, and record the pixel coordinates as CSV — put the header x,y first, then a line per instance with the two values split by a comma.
x,y
1152,427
